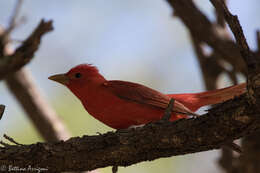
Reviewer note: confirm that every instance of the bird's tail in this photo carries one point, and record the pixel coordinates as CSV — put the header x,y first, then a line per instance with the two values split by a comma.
x,y
196,100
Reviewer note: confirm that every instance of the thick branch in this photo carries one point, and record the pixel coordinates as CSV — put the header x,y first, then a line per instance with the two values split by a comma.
x,y
24,53
200,26
249,162
225,123
211,68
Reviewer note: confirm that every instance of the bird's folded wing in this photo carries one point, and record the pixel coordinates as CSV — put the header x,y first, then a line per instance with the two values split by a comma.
x,y
144,95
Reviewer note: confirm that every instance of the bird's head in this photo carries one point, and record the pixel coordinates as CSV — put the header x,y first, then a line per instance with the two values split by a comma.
x,y
78,76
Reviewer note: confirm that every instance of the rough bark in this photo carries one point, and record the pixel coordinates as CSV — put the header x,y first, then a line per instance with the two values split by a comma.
x,y
249,161
228,121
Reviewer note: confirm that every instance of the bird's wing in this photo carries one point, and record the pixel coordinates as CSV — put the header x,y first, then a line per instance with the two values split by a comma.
x,y
144,95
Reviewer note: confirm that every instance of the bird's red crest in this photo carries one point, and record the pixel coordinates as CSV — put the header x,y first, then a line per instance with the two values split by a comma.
x,y
89,68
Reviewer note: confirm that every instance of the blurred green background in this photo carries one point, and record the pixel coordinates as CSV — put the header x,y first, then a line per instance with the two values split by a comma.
x,y
135,40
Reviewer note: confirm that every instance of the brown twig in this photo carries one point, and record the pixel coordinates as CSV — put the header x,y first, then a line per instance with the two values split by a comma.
x,y
2,109
5,144
226,159
209,66
5,34
12,21
236,28
258,42
249,162
201,27
11,140
24,53
235,147
114,169
219,14
168,111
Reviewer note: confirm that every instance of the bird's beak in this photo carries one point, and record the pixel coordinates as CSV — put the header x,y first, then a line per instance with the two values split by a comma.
x,y
60,78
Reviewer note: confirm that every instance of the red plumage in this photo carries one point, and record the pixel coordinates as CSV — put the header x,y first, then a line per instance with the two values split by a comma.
x,y
121,104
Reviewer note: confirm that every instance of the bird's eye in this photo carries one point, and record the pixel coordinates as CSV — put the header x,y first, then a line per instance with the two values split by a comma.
x,y
78,75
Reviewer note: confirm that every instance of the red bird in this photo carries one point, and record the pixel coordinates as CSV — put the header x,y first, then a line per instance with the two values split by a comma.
x,y
122,104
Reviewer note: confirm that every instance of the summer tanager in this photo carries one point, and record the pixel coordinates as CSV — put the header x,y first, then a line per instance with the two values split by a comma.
x,y
122,104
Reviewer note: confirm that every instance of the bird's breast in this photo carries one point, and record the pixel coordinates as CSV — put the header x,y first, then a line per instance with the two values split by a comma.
x,y
119,113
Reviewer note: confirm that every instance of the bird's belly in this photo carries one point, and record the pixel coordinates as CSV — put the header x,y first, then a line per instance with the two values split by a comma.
x,y
120,114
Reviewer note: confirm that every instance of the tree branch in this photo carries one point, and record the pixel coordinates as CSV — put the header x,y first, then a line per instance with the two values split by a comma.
x,y
201,28
258,42
225,123
204,31
168,111
236,28
211,66
249,162
24,53
13,18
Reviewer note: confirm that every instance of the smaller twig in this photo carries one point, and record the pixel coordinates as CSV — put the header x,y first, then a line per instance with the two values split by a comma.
x,y
8,138
11,140
25,52
206,63
258,41
2,109
12,21
98,133
4,144
114,169
234,147
219,14
232,77
168,111
231,73
236,28
225,161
